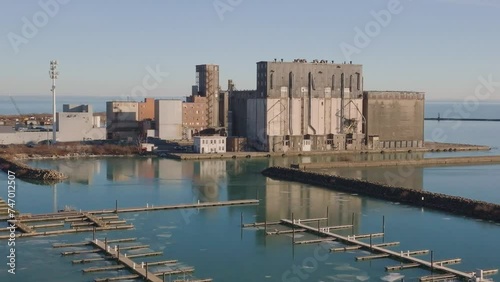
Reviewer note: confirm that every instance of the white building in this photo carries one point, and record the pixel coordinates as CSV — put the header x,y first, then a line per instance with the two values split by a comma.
x,y
75,123
168,117
209,144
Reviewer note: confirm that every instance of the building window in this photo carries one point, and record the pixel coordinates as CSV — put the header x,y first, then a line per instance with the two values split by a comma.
x,y
271,81
333,82
350,83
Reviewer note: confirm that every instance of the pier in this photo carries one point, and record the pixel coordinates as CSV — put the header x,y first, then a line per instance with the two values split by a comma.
x,y
463,119
97,220
482,160
407,258
429,147
138,270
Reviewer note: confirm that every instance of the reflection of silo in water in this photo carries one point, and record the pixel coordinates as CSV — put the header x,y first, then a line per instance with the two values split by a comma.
x,y
305,201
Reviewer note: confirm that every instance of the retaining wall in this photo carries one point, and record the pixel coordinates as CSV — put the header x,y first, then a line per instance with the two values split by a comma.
x,y
452,204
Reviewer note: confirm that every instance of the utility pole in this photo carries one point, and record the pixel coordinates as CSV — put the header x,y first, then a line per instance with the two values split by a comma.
x,y
53,73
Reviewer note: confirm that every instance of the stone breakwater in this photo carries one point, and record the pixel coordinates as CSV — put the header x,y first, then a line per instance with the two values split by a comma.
x,y
442,202
28,173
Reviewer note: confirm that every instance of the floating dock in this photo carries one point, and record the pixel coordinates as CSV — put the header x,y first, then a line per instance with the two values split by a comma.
x,y
378,251
97,220
124,261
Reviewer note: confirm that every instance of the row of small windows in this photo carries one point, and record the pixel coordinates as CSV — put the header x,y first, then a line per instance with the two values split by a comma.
x,y
221,141
198,112
312,81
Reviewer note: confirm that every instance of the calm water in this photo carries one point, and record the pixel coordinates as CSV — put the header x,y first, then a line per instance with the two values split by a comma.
x,y
211,241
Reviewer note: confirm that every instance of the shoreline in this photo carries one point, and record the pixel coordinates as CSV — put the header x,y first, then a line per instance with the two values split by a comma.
x,y
429,147
28,173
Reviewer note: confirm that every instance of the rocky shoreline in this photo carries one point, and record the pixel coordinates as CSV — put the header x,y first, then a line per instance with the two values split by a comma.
x,y
25,172
452,204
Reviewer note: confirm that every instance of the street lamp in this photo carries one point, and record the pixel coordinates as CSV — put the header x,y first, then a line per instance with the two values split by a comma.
x,y
53,73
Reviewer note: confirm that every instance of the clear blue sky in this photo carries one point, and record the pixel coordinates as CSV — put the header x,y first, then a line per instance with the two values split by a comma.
x,y
103,47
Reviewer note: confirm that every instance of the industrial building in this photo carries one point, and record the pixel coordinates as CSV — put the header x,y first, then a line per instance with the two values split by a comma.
x,y
129,120
207,83
302,106
194,115
146,109
75,123
122,120
168,119
394,119
321,105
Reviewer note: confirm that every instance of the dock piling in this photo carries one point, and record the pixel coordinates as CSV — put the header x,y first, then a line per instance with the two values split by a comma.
x,y
432,262
327,217
352,223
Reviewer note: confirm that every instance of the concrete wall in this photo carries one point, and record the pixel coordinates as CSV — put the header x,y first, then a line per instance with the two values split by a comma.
x,y
62,136
324,78
397,117
73,126
168,119
256,124
238,108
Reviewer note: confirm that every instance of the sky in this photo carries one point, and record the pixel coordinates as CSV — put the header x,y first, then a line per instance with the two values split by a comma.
x,y
128,48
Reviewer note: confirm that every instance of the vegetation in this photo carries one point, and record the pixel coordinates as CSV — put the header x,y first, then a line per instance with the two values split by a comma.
x,y
67,149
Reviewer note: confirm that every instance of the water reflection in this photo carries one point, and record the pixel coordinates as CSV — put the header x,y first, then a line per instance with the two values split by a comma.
x,y
79,171
232,179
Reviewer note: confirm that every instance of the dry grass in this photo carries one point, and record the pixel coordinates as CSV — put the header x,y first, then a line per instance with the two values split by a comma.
x,y
68,149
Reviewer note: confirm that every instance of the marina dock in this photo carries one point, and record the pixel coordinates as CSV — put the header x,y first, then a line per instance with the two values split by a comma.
x,y
110,250
383,252
97,220
407,259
